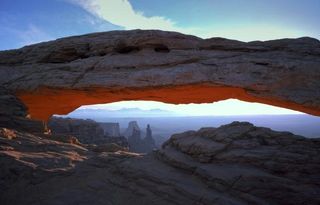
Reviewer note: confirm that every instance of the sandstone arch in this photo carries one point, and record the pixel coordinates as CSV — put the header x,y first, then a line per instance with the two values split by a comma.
x,y
58,76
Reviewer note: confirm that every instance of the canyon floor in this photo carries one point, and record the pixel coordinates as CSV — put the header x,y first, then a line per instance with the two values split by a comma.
x,y
236,163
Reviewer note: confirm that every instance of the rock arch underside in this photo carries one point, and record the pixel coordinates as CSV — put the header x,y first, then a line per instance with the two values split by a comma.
x,y
57,77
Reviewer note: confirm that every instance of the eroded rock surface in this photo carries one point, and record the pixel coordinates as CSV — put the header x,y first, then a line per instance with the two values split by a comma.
x,y
57,77
257,164
233,164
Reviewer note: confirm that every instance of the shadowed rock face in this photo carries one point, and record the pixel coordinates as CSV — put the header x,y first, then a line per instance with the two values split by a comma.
x,y
234,164
59,76
14,114
86,131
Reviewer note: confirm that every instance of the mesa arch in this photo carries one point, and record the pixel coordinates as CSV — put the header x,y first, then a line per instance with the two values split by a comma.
x,y
59,76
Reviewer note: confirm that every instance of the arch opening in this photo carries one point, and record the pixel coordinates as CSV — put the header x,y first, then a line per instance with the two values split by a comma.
x,y
167,119
44,102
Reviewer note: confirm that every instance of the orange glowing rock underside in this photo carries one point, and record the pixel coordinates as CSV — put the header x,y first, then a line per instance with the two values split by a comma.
x,y
45,102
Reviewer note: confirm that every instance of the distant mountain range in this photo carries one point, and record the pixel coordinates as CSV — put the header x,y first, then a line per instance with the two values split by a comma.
x,y
121,113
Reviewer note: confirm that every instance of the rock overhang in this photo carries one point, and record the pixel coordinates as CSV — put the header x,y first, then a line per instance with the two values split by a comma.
x,y
58,76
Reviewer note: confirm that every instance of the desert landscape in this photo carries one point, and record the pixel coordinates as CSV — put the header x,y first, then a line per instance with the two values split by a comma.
x,y
54,152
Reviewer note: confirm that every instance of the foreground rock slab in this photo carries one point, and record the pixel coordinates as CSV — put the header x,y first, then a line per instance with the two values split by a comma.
x,y
256,164
234,164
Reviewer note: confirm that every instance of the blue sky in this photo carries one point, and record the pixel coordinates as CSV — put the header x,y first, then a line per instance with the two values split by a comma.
x,y
24,22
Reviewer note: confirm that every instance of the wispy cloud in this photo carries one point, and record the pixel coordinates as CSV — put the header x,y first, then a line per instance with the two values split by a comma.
x,y
15,34
32,34
26,36
121,13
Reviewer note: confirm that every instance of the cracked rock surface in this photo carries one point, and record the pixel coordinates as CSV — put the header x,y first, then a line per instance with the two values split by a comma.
x,y
236,164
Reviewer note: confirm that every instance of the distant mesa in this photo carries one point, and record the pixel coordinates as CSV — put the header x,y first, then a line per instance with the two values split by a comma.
x,y
87,131
91,132
110,128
